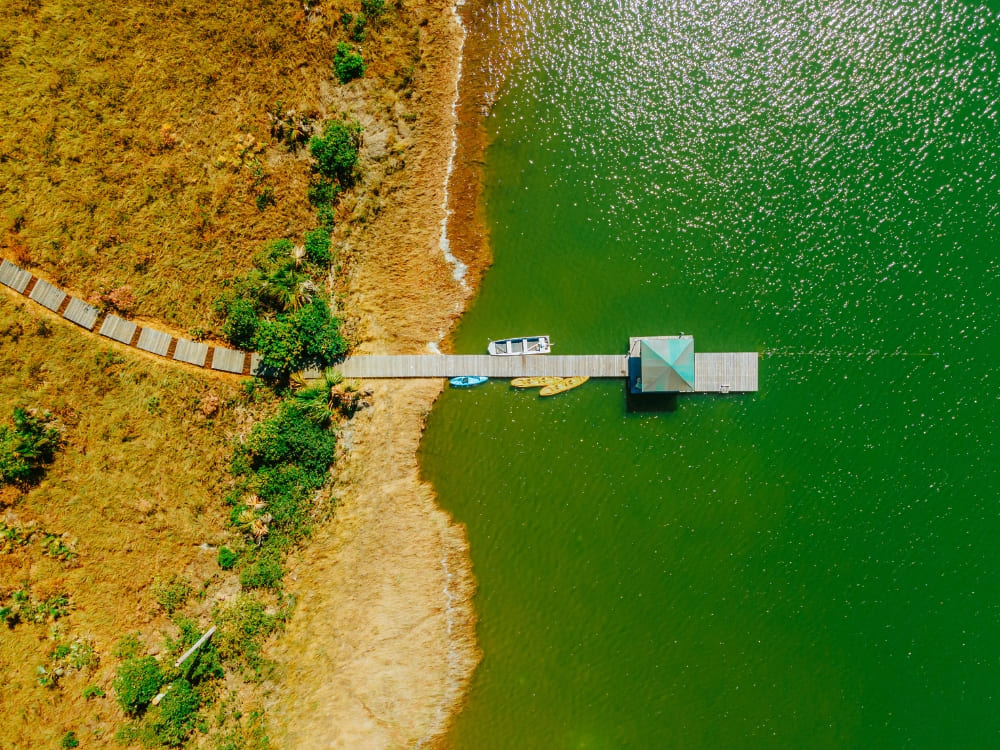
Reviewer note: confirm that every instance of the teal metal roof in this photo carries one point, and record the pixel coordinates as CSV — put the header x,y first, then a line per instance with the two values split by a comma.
x,y
667,364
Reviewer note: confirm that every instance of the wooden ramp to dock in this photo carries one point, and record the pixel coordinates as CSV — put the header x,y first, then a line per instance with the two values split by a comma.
x,y
452,365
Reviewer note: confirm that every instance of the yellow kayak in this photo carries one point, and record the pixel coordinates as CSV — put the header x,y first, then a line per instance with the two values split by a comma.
x,y
563,385
535,381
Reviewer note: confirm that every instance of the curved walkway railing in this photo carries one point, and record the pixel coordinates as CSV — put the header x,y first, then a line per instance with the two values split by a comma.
x,y
124,331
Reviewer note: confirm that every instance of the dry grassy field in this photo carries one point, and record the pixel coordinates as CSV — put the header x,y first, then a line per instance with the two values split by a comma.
x,y
141,150
130,500
137,148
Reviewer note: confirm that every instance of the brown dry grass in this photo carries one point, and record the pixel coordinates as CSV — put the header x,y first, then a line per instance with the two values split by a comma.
x,y
115,117
94,193
135,490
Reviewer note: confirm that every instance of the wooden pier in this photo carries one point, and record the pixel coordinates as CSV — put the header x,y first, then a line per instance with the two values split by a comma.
x,y
714,372
452,365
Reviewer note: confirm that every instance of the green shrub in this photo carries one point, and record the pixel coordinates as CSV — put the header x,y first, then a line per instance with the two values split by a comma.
x,y
336,151
307,337
373,8
326,217
178,713
172,594
290,438
265,198
274,252
22,607
264,572
227,558
318,246
202,665
137,683
320,334
347,64
241,323
322,193
243,626
27,446
69,740
92,691
358,29
129,646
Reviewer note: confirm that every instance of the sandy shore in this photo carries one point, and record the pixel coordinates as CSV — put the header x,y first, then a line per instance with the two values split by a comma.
x,y
382,646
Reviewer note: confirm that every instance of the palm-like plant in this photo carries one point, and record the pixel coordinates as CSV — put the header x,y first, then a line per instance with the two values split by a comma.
x,y
286,288
319,401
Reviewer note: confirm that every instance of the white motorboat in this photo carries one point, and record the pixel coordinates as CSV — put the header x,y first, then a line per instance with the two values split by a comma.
x,y
518,346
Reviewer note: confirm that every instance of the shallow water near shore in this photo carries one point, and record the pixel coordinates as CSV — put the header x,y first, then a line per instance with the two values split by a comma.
x,y
814,565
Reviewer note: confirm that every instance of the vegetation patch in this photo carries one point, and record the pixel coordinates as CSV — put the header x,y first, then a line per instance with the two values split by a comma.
x,y
27,445
137,683
20,606
348,63
279,311
243,626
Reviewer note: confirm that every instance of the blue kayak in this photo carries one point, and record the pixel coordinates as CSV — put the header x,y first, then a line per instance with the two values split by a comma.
x,y
466,381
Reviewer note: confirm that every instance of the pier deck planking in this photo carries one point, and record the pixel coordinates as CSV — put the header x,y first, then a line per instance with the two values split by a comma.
x,y
14,276
191,352
47,295
81,313
724,372
153,341
118,329
450,365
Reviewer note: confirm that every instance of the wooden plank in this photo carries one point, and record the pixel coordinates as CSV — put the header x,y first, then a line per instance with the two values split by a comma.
x,y
14,276
47,295
118,329
154,341
81,313
725,372
191,352
228,360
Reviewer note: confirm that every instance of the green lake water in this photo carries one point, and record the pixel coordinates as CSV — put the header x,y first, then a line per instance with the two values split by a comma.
x,y
813,566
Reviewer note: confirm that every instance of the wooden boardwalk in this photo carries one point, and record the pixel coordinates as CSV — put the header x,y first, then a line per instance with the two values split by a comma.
x,y
714,372
123,331
451,365
733,372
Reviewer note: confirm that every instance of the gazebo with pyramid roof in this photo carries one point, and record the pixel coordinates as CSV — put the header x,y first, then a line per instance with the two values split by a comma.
x,y
662,364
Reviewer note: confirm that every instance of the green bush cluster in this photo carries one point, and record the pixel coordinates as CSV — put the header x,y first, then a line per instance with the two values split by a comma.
x,y
227,558
178,713
205,664
282,462
348,63
373,9
171,594
243,626
336,151
263,572
185,689
21,607
137,683
318,246
26,446
278,311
